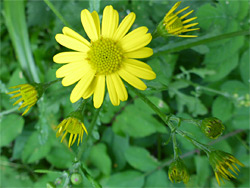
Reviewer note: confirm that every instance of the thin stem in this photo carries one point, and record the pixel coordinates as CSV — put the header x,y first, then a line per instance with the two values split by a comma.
x,y
8,111
164,117
175,147
56,12
84,144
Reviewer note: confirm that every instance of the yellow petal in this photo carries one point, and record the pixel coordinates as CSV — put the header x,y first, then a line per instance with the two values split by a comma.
x,y
71,33
112,91
137,63
69,57
89,25
81,86
71,43
139,71
90,90
124,26
132,80
69,68
97,22
75,76
135,39
120,88
173,8
109,22
141,53
99,91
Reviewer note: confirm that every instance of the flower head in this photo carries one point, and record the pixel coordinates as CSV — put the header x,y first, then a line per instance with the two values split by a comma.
x,y
74,126
222,163
212,127
28,93
108,57
178,171
174,25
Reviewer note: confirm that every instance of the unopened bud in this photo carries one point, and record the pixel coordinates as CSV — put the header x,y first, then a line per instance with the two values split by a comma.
x,y
212,127
178,171
76,178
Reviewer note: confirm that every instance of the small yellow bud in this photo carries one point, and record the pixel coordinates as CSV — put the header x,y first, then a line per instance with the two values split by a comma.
x,y
178,171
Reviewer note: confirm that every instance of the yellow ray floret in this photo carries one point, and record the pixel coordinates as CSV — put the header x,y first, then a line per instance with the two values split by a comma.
x,y
74,127
176,25
107,60
28,94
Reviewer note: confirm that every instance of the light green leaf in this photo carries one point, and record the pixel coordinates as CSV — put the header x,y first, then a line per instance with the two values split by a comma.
x,y
10,127
225,104
34,150
141,159
99,157
202,170
158,179
244,67
128,178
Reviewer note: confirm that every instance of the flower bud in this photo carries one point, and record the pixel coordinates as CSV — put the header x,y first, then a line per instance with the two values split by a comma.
x,y
212,127
76,178
29,93
178,171
223,165
174,25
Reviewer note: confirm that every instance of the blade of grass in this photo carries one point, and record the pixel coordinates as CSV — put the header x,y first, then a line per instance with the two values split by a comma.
x,y
175,47
14,14
56,12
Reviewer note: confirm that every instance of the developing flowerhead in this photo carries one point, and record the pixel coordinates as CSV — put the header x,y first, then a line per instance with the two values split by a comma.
x,y
178,171
223,165
173,25
29,95
74,126
212,127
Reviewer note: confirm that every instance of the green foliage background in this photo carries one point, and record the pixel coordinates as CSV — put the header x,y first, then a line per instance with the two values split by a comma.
x,y
195,78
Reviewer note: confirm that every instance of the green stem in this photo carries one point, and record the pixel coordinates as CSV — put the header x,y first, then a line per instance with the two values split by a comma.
x,y
199,145
196,42
56,12
84,144
175,146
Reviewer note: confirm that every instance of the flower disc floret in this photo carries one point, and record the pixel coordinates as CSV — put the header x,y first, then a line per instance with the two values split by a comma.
x,y
74,126
28,94
105,56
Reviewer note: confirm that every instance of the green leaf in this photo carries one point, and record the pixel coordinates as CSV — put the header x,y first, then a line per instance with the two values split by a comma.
x,y
241,118
234,87
222,108
128,178
60,156
34,150
202,170
14,12
99,157
10,127
94,5
118,146
140,159
244,67
157,179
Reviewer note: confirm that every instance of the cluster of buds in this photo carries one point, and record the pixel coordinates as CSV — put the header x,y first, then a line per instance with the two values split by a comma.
x,y
242,100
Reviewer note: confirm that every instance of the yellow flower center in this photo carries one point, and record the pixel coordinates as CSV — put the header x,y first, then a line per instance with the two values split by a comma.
x,y
105,56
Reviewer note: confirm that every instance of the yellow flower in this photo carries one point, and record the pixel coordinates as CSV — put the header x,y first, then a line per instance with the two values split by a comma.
x,y
178,171
222,163
106,59
74,126
28,94
175,25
